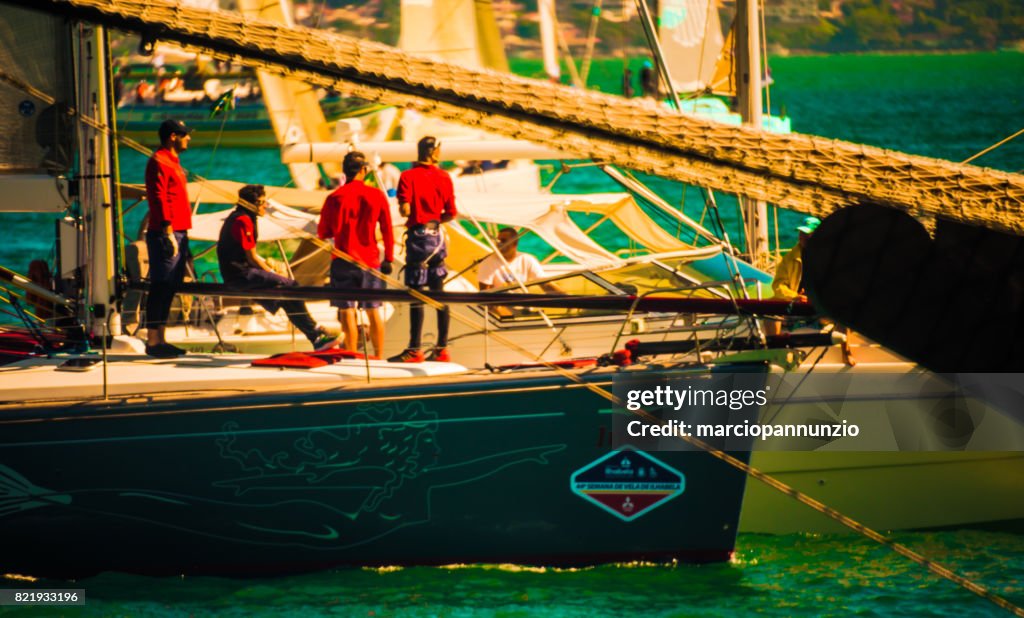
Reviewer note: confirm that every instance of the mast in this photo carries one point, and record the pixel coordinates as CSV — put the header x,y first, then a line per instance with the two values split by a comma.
x,y
651,30
748,89
96,180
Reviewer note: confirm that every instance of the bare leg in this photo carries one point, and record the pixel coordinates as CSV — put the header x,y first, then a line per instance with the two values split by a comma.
x,y
349,326
376,331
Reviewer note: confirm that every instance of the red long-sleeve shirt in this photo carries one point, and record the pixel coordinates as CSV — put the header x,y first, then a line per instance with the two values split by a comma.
x,y
167,192
428,191
351,215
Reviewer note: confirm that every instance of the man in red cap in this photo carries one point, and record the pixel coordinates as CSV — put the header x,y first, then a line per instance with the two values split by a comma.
x,y
170,218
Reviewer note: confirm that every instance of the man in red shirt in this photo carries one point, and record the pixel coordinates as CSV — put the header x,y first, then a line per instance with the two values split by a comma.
x,y
242,267
351,216
426,197
170,218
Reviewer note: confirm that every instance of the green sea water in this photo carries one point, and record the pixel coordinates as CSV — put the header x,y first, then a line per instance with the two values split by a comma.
x,y
792,575
946,106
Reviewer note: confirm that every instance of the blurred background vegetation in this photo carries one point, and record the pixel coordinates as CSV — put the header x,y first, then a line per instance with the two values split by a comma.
x,y
792,25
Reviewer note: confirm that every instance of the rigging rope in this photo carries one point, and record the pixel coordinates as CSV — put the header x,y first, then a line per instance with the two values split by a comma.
x,y
765,71
809,174
595,16
994,146
103,8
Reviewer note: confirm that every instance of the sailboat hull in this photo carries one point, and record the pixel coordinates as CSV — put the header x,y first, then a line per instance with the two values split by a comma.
x,y
887,491
944,456
449,472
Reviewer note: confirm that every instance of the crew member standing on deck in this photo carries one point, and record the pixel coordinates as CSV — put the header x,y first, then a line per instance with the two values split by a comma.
x,y
243,268
650,84
426,197
351,216
789,273
788,283
170,219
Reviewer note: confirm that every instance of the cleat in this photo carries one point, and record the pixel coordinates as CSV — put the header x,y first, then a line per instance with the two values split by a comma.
x,y
409,356
439,355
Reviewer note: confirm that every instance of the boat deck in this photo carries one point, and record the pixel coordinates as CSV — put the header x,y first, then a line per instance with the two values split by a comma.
x,y
129,377
129,374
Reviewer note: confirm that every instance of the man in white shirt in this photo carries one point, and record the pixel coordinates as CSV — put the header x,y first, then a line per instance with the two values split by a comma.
x,y
511,267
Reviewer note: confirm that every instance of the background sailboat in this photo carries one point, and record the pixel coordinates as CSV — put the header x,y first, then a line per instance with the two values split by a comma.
x,y
701,62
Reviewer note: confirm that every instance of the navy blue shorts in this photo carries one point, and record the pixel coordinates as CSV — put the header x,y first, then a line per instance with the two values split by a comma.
x,y
347,276
425,251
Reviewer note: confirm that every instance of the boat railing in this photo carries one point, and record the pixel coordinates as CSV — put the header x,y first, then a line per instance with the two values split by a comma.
x,y
695,330
205,311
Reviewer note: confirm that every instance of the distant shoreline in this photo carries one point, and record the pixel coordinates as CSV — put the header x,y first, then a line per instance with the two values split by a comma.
x,y
807,53
892,52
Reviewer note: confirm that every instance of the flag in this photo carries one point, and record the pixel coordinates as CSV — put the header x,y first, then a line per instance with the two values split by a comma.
x,y
223,103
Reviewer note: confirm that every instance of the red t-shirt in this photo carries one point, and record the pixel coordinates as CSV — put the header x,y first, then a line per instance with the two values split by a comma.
x,y
428,190
242,231
167,192
351,215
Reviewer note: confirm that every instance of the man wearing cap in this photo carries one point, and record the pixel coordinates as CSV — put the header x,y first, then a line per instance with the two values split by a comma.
x,y
242,267
170,218
351,216
426,197
512,267
788,282
650,85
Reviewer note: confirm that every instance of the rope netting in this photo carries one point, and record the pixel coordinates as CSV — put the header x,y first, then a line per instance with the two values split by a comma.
x,y
809,174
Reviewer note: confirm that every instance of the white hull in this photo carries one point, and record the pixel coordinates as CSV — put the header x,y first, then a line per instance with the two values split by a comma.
x,y
886,491
962,461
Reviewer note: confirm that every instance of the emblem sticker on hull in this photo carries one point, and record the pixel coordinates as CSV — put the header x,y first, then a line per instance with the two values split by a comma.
x,y
628,483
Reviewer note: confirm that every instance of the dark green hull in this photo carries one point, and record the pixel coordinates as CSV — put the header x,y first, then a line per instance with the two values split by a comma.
x,y
458,470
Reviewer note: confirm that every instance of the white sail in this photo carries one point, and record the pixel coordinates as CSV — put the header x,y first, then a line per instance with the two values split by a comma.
x,y
457,31
293,106
691,37
462,32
